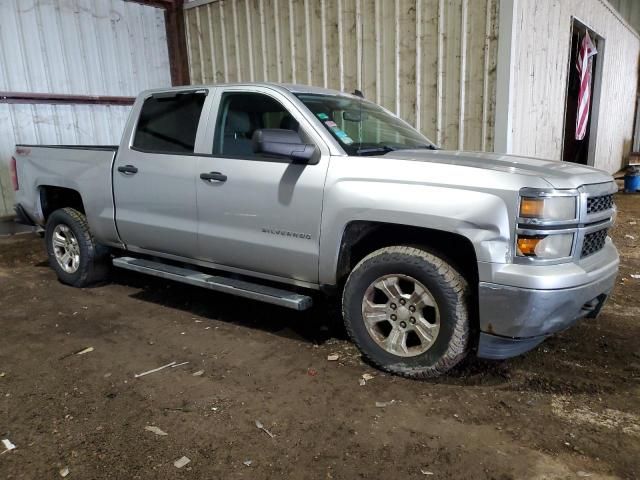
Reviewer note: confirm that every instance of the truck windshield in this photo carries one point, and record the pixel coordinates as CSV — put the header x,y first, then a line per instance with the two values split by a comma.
x,y
362,127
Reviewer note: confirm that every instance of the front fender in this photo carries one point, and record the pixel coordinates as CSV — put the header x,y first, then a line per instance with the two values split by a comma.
x,y
480,216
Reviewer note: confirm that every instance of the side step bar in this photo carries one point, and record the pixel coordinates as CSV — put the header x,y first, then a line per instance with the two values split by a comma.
x,y
233,286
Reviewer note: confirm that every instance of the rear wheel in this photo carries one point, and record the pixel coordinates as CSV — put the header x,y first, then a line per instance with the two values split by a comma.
x,y
406,310
73,253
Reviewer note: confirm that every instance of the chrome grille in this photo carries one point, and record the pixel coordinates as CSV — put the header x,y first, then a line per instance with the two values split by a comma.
x,y
593,242
599,204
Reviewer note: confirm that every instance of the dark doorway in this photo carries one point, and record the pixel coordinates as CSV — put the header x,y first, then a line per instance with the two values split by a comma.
x,y
580,151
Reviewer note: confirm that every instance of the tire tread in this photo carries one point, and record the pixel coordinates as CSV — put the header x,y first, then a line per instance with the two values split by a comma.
x,y
456,292
96,267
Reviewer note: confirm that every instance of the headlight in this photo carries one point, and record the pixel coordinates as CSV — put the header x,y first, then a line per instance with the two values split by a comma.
x,y
545,246
552,209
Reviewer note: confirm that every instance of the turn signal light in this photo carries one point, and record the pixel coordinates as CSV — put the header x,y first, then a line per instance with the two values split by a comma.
x,y
527,245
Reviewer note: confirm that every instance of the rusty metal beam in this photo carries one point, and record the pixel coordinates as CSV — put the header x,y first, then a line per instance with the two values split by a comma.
x,y
57,98
177,43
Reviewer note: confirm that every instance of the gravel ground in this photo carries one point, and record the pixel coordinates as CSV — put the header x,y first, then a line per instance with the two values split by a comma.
x,y
569,409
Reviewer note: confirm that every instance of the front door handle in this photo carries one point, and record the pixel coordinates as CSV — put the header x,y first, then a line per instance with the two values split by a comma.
x,y
128,169
213,177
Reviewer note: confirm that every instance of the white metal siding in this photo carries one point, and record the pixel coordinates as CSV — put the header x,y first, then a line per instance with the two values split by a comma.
x,y
541,57
431,61
630,11
79,47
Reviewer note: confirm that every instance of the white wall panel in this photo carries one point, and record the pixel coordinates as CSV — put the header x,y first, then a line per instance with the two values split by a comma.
x,y
629,10
82,47
78,47
431,61
541,57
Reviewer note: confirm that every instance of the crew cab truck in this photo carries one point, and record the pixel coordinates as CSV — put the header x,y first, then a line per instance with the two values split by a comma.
x,y
271,192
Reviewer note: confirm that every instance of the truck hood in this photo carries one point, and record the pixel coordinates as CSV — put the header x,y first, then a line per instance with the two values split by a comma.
x,y
557,174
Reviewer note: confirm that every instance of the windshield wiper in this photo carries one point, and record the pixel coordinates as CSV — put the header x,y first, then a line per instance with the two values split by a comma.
x,y
375,150
382,149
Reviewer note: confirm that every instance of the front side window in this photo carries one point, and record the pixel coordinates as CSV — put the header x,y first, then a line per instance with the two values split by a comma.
x,y
168,122
362,127
240,115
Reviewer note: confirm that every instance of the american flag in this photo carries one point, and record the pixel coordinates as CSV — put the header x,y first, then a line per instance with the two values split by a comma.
x,y
584,65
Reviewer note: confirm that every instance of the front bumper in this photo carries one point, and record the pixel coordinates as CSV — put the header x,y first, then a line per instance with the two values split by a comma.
x,y
514,319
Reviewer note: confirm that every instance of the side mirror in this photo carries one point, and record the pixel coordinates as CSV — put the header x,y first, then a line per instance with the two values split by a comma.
x,y
281,142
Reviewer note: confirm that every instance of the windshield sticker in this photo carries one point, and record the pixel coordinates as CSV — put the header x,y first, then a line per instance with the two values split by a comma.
x,y
322,116
330,124
339,132
342,135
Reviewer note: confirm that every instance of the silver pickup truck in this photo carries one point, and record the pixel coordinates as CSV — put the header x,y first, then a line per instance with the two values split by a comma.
x,y
271,192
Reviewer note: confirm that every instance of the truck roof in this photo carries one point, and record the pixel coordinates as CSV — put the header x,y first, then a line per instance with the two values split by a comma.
x,y
294,88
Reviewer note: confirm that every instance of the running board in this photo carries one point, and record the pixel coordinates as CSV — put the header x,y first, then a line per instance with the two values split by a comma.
x,y
241,288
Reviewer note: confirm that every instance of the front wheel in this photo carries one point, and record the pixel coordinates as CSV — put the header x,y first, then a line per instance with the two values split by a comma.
x,y
406,310
73,253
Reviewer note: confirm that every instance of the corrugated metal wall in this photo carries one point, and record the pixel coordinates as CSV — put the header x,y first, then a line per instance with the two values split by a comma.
x,y
630,11
541,56
431,61
80,47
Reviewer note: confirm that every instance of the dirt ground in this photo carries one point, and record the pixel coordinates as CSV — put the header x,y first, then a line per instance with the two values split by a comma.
x,y
569,409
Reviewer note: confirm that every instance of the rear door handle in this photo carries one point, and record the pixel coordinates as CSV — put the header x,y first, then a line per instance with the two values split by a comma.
x,y
128,169
213,176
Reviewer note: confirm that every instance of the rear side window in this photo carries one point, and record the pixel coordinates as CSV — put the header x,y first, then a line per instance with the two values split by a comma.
x,y
169,123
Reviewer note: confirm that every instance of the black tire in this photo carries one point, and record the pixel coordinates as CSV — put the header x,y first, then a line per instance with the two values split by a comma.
x,y
449,291
94,258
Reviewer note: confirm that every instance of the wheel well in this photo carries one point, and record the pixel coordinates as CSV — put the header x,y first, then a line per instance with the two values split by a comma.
x,y
362,238
54,198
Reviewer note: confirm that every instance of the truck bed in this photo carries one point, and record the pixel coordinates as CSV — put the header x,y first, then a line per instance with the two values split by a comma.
x,y
85,169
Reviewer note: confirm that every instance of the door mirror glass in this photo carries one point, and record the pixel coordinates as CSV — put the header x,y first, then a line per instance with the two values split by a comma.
x,y
283,143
